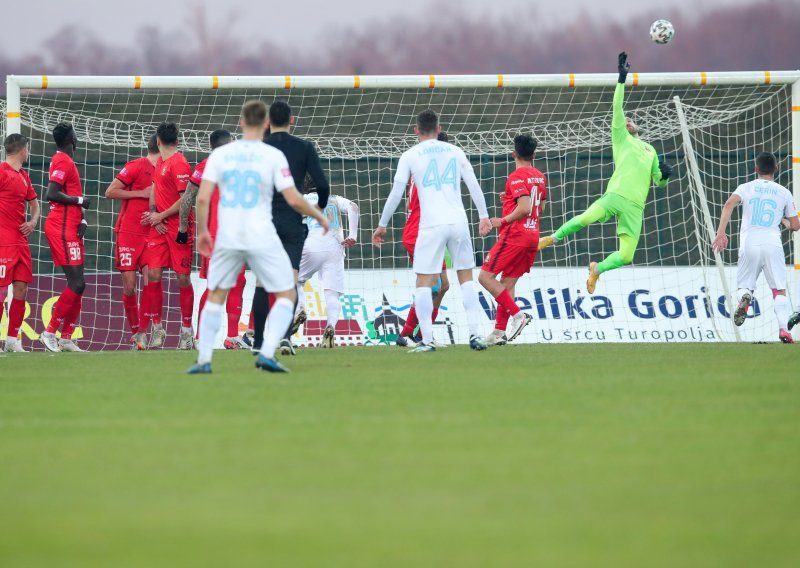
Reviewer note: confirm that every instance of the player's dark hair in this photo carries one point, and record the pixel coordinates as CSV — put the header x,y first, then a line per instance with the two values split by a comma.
x,y
443,137
219,138
766,164
14,143
280,114
254,113
152,145
427,122
525,146
63,134
167,133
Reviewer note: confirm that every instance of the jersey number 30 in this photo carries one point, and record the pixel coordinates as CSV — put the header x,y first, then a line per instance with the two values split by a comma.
x,y
240,189
433,178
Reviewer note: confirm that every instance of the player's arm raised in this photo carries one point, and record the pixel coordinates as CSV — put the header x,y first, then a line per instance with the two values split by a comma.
x,y
401,178
618,126
475,192
297,202
721,240
318,176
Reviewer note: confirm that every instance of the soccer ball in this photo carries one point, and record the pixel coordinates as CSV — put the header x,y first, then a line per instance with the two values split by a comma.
x,y
662,31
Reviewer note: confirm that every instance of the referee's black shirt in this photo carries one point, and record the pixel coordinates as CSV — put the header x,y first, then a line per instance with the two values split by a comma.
x,y
303,159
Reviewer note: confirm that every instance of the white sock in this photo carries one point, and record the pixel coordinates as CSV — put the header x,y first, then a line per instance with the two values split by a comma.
x,y
472,305
301,298
186,329
11,341
280,318
783,310
423,301
210,322
332,306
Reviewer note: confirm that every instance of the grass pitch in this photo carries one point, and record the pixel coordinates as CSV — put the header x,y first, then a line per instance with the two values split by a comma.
x,y
588,455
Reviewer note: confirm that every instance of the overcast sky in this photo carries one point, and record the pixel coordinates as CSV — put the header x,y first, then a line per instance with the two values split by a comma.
x,y
306,21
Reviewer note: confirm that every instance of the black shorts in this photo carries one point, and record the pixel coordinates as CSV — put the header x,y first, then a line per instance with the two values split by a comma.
x,y
293,237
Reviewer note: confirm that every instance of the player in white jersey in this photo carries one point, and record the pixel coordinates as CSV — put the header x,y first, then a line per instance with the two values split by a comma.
x,y
438,168
247,173
324,253
765,204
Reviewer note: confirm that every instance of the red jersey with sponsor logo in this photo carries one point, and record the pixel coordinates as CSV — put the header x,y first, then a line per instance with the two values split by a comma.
x,y
522,182
197,178
411,230
15,190
136,175
64,172
171,177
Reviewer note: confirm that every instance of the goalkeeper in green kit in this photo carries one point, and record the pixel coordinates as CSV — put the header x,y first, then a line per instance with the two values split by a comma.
x,y
635,165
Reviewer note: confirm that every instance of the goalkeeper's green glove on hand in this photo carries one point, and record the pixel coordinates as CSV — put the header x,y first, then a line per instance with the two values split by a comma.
x,y
666,169
623,67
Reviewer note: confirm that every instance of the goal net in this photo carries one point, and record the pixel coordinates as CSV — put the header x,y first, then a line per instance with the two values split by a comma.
x,y
676,289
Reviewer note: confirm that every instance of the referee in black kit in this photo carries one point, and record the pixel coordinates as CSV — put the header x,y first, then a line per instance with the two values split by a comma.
x,y
303,159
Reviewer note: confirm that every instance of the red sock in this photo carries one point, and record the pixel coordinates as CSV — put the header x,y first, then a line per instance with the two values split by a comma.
x,y
131,311
71,317
187,305
156,301
144,308
61,309
434,314
411,323
504,299
501,319
251,325
16,313
233,306
270,300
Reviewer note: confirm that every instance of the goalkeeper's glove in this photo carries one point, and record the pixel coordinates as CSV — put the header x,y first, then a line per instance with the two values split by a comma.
x,y
182,238
623,67
666,169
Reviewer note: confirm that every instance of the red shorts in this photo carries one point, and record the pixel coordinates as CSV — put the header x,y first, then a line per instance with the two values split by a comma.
x,y
410,245
65,247
130,251
163,252
509,258
15,265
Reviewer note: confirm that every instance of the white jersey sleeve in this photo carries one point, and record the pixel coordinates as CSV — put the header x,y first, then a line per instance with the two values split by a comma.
x,y
401,177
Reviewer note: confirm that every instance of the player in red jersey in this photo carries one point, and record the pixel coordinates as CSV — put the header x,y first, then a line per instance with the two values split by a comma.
x,y
132,186
172,173
513,254
65,228
410,232
15,254
233,305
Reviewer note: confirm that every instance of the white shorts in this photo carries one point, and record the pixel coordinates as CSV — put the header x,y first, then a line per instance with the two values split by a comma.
x,y
431,243
270,265
329,264
755,258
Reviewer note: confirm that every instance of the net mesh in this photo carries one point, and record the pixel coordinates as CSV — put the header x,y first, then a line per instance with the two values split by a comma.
x,y
360,134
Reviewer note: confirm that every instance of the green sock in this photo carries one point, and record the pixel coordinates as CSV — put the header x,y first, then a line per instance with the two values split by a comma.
x,y
627,246
591,215
612,261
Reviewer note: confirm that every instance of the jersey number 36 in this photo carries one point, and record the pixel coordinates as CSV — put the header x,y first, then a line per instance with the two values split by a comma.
x,y
240,189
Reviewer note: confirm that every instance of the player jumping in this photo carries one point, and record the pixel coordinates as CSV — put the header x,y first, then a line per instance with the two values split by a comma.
x,y
764,205
324,253
514,253
65,228
410,233
16,269
233,305
247,173
635,165
438,168
132,186
171,175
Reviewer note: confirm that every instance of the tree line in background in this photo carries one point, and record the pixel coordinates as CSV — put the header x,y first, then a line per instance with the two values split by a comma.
x,y
750,37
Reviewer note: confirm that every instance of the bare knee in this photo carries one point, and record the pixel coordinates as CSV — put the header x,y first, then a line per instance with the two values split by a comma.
x,y
18,290
184,280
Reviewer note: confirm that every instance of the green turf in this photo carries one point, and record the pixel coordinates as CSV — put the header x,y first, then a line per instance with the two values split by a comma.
x,y
590,455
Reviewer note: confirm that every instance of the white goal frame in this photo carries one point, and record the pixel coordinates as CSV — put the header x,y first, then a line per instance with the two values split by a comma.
x,y
16,83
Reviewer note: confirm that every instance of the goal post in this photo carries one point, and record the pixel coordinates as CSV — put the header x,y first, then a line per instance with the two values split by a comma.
x,y
675,291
